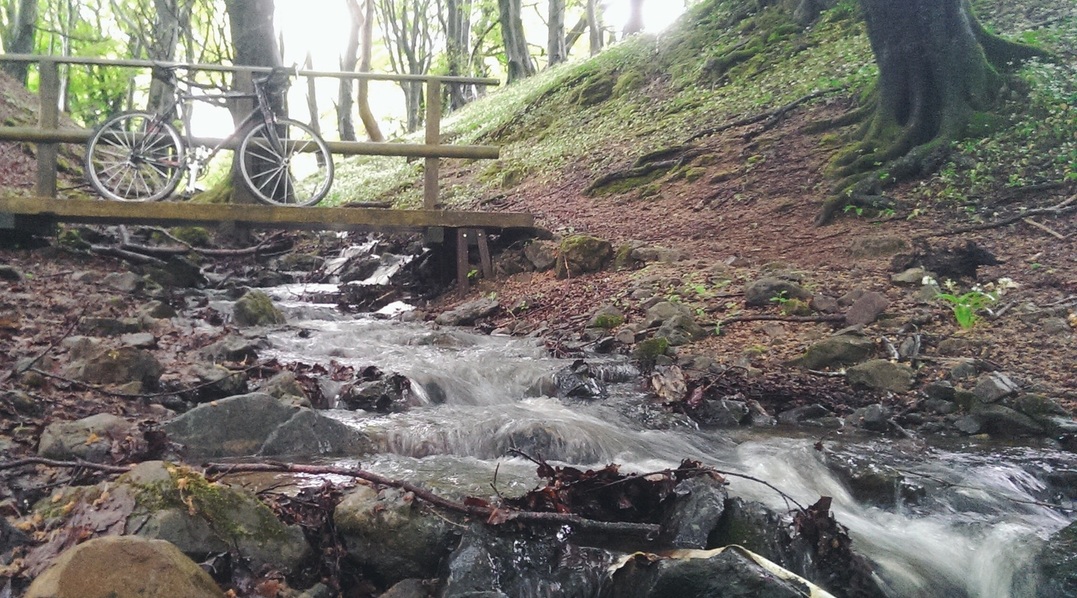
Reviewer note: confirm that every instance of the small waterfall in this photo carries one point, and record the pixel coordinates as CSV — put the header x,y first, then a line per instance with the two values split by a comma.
x,y
965,538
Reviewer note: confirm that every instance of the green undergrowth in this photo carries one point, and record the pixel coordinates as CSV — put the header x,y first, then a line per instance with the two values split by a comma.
x,y
645,92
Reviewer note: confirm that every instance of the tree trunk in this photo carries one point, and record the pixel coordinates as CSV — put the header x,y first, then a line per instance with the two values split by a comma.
x,y
458,34
938,66
556,52
517,54
19,37
594,25
366,115
635,18
168,26
348,61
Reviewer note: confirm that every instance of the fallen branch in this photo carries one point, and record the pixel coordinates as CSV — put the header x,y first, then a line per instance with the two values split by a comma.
x,y
1055,210
772,318
127,256
488,514
78,464
1045,229
771,116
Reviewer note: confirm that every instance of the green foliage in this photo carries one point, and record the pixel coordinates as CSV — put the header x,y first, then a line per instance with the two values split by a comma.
x,y
966,305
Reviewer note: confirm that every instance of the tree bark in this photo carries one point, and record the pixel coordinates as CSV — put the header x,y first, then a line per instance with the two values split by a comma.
x,y
366,115
169,24
517,54
594,25
938,66
19,36
458,37
348,61
555,44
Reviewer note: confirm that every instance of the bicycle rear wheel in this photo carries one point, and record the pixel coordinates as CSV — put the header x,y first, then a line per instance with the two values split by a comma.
x,y
286,164
133,156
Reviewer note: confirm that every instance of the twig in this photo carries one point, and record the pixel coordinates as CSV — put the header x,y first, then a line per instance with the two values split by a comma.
x,y
489,514
1055,210
772,318
5,465
1045,229
130,256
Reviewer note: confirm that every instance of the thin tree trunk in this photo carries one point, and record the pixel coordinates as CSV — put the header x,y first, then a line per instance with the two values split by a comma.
x,y
165,39
594,25
19,37
366,115
517,53
575,34
348,61
312,96
458,34
555,47
635,18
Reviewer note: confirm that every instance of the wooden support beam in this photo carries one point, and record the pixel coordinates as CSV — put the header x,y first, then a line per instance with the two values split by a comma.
x,y
49,120
433,137
305,218
463,267
483,242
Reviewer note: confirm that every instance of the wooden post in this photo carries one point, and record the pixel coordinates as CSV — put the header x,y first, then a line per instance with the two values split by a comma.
x,y
433,137
50,120
462,265
484,254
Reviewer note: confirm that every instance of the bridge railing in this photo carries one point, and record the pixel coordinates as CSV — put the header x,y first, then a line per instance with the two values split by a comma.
x,y
48,134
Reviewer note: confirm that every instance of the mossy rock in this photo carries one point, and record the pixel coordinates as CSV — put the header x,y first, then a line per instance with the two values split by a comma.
x,y
580,254
257,309
71,239
647,352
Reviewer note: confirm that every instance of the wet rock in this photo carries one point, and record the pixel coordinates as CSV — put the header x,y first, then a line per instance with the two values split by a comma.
x,y
469,313
881,374
694,513
80,347
722,413
305,262
872,483
1038,406
511,263
201,518
284,384
802,414
157,310
11,539
377,392
217,382
681,330
255,308
1001,421
968,424
411,588
359,268
940,391
875,418
577,381
150,568
117,366
178,273
580,254
391,535
994,386
964,370
664,311
762,292
841,349
729,574
939,406
311,434
541,254
232,427
90,438
1056,565
125,282
234,348
866,309
22,403
506,564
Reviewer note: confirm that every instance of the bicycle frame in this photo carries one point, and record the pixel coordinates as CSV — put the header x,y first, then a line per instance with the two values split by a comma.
x,y
182,107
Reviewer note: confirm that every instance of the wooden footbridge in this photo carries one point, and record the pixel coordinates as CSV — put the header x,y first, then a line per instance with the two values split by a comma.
x,y
457,230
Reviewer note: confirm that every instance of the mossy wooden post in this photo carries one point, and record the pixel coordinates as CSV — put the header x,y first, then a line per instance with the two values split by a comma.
x,y
433,137
49,120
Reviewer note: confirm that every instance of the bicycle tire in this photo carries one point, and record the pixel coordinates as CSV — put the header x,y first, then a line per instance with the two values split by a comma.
x,y
124,163
281,168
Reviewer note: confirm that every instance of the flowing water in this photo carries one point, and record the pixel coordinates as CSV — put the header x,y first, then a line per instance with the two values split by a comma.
x,y
972,533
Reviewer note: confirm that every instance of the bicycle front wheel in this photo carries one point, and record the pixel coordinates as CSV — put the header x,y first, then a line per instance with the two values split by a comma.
x,y
286,164
134,156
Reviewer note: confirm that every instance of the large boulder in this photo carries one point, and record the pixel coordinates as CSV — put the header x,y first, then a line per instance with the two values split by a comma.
x,y
580,254
89,438
389,534
469,313
771,290
256,309
1056,565
310,434
881,374
202,518
124,567
232,427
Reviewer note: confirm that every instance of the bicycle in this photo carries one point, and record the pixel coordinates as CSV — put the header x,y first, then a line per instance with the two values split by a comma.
x,y
141,156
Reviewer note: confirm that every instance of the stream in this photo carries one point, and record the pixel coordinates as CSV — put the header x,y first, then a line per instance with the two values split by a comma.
x,y
973,528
